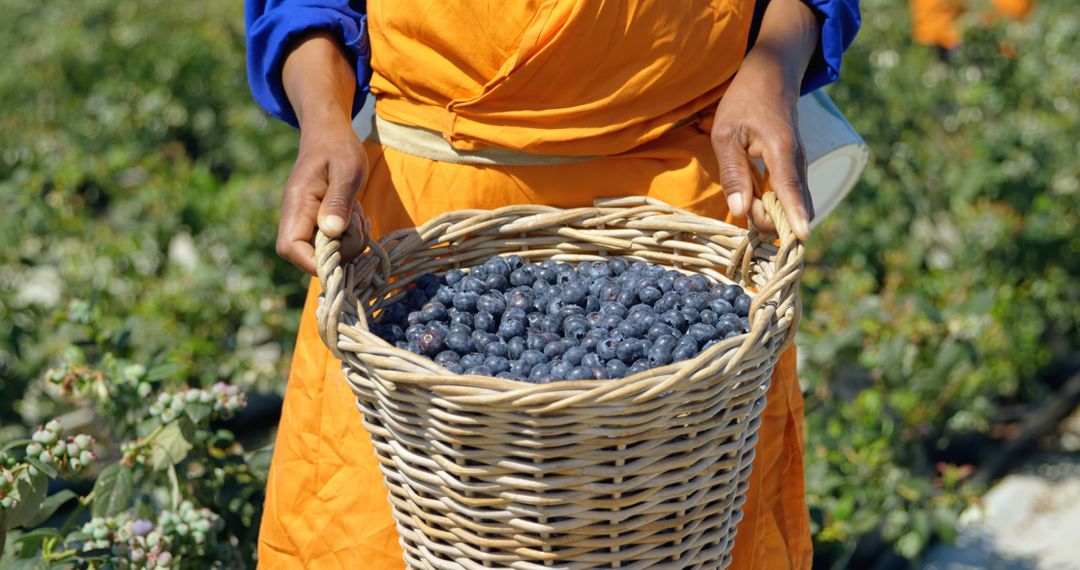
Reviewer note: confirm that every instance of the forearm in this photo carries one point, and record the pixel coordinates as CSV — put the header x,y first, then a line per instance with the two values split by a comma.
x,y
785,45
319,81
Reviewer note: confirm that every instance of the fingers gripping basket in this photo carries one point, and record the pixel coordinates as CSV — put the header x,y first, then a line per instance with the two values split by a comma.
x,y
648,471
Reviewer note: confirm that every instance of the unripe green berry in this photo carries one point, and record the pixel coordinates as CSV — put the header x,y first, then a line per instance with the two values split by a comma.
x,y
72,449
45,457
53,425
86,457
84,441
34,449
144,389
33,471
75,464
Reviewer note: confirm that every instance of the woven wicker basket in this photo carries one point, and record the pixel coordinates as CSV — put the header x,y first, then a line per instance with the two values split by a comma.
x,y
648,471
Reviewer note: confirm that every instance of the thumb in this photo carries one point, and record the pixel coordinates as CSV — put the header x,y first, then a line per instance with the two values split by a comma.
x,y
335,211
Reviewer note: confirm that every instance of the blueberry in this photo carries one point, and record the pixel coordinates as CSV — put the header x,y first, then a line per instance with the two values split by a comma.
x,y
710,344
511,327
484,321
659,329
395,333
617,266
453,276
534,340
569,311
674,319
701,332
430,341
459,342
515,347
600,269
606,349
639,366
608,293
681,285
742,305
454,367
728,323
699,283
686,348
696,301
610,322
466,300
615,368
481,339
709,317
480,371
561,370
540,370
596,285
665,342
412,334
495,282
533,357
433,311
415,298
547,275
491,302
534,319
462,318
665,283
659,356
520,277
614,308
542,289
497,348
629,350
592,304
646,316
690,315
414,318
580,373
514,261
402,345
520,370
669,301
472,284
445,295
574,354
650,295
396,313
627,297
721,306
745,322
631,328
638,266
594,319
497,266
497,364
443,328
575,327
573,295
730,292
555,349
590,360
472,360
427,281
446,356
520,300
460,329
517,314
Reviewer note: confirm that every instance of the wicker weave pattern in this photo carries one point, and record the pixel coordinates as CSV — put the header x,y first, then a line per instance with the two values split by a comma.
x,y
648,471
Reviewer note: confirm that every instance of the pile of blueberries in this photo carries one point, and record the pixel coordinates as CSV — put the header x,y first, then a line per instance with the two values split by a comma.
x,y
553,321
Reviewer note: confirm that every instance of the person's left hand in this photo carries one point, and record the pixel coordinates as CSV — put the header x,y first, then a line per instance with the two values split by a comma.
x,y
758,118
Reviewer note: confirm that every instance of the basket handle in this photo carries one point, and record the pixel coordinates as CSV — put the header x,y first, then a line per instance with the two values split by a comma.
x,y
788,262
334,277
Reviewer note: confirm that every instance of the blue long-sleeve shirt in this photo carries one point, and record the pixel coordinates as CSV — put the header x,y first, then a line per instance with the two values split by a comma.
x,y
273,27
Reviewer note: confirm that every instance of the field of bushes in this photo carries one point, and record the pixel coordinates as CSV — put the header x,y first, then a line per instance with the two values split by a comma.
x,y
141,303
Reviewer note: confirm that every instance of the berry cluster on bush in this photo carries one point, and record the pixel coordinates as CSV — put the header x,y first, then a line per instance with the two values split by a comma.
x,y
68,455
138,543
550,321
223,399
7,486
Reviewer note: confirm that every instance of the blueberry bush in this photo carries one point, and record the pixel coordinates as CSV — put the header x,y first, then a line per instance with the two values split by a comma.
x,y
141,303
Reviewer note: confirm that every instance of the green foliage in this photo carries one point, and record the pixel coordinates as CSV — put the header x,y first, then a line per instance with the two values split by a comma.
x,y
948,279
138,192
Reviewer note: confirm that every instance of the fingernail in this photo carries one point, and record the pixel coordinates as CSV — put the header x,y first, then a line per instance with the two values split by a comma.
x,y
735,204
802,228
333,225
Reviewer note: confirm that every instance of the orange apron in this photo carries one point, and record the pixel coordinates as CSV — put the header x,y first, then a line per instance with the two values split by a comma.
x,y
584,77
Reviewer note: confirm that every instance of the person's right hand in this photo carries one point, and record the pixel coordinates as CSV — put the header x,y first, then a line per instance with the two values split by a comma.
x,y
330,169
331,166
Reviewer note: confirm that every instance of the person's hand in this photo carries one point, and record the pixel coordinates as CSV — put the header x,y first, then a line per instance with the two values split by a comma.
x,y
330,169
757,118
332,165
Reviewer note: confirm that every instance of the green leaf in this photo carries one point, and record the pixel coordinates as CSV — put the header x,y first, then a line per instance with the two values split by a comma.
x,y
164,371
30,490
198,411
113,490
30,542
259,461
169,447
45,468
51,504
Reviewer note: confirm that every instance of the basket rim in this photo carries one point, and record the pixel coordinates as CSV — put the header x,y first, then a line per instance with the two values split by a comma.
x,y
347,336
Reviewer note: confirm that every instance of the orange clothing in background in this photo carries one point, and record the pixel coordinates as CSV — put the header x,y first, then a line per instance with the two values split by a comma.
x,y
934,22
544,77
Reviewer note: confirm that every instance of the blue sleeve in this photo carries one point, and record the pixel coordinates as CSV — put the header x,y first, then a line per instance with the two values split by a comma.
x,y
273,27
838,21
